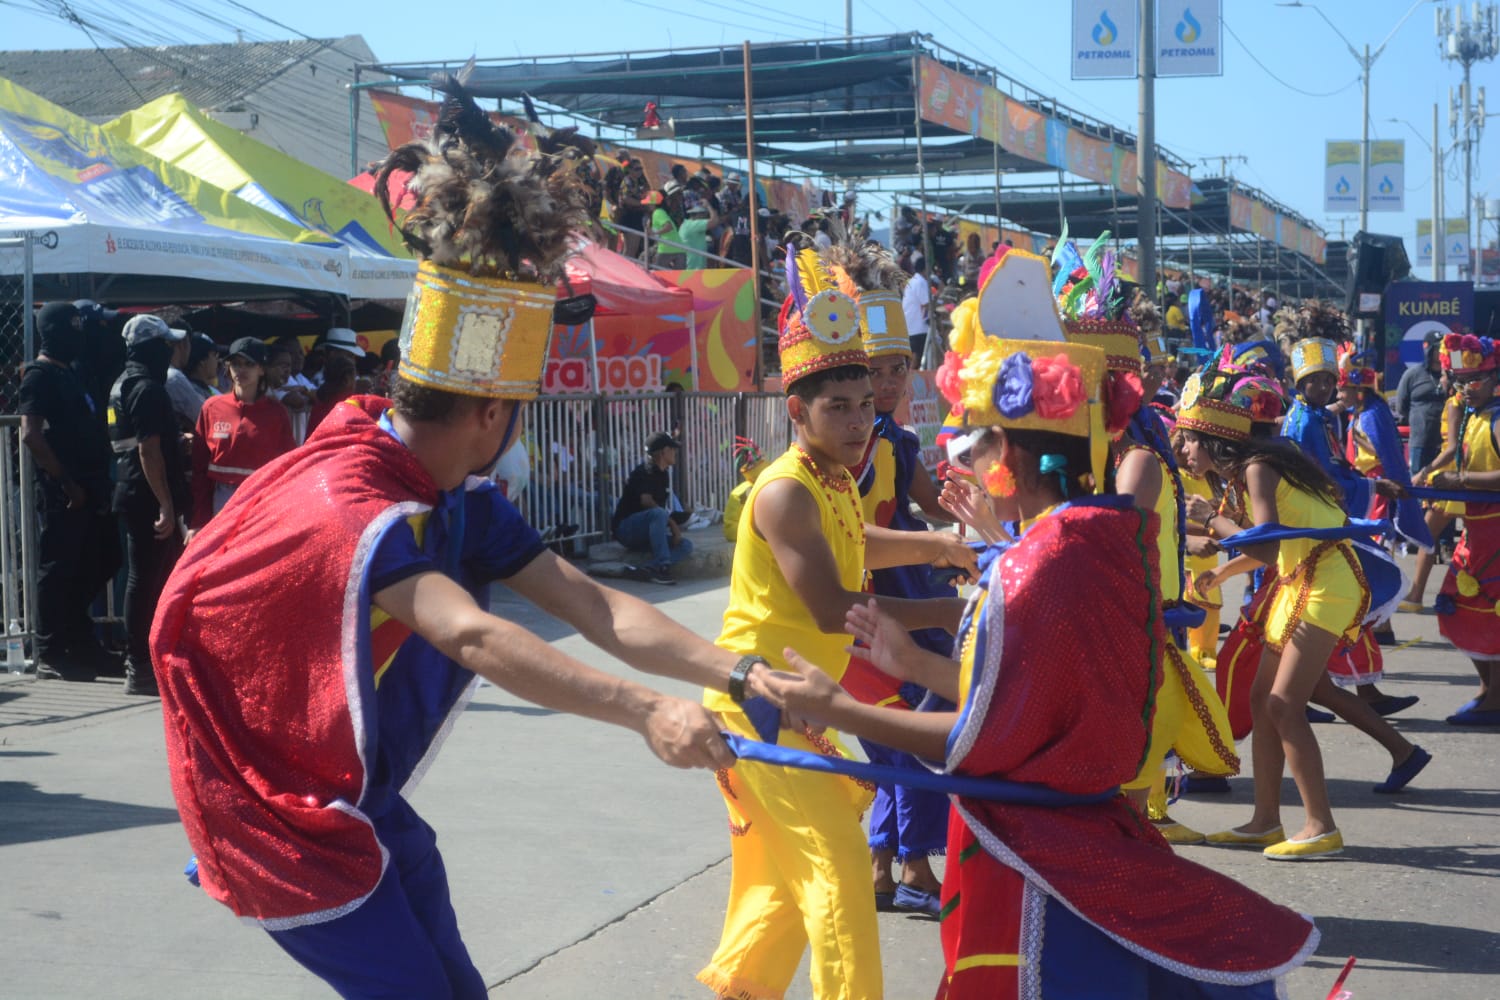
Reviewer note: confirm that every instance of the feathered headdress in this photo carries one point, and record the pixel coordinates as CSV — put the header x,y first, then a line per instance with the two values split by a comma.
x,y
868,273
1095,311
1322,320
819,324
484,204
492,220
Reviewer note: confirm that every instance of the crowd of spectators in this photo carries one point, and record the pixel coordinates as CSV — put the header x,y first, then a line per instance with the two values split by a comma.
x,y
140,431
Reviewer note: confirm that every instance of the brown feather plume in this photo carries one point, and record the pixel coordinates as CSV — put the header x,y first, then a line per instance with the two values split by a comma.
x,y
867,264
1322,319
483,203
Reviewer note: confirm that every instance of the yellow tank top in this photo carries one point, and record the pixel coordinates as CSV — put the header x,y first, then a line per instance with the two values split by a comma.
x,y
1365,458
1170,578
1478,445
1297,509
1197,486
765,614
882,484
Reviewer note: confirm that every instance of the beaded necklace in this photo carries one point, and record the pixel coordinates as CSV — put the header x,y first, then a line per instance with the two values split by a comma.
x,y
833,485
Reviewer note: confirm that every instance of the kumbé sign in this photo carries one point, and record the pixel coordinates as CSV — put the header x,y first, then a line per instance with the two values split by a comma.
x,y
1414,309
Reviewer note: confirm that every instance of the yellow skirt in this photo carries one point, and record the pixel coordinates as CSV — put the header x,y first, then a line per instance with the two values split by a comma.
x,y
1326,590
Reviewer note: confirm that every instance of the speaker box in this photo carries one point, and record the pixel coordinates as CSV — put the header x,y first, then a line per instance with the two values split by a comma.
x,y
1374,262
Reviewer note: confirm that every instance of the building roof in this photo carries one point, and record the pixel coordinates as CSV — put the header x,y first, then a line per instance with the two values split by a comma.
x,y
101,84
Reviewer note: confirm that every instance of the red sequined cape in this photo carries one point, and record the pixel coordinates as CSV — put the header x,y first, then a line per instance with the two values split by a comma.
x,y
269,766
1061,695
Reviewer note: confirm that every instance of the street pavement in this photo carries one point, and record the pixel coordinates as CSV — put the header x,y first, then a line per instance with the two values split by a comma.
x,y
581,867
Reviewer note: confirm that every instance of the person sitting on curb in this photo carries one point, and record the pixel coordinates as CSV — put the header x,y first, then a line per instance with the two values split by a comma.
x,y
643,521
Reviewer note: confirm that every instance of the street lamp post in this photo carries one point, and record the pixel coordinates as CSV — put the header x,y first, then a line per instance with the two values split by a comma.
x,y
1467,41
1366,60
1439,215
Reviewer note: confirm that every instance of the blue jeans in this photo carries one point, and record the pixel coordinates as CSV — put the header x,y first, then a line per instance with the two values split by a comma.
x,y
646,531
1417,457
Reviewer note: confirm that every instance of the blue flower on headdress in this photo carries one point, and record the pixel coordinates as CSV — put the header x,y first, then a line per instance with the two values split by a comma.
x,y
1012,391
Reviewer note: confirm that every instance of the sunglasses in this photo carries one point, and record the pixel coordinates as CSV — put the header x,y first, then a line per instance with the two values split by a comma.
x,y
1463,380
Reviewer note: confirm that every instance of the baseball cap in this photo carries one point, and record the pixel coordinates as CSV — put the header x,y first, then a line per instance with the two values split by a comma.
x,y
732,178
139,329
252,348
92,312
662,440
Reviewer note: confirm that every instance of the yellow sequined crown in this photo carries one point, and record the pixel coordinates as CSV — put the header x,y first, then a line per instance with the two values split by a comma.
x,y
883,324
475,336
1313,355
1227,403
1119,339
820,325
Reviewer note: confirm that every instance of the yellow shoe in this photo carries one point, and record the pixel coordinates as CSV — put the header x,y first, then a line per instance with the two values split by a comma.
x,y
1238,838
1323,846
1177,833
1414,607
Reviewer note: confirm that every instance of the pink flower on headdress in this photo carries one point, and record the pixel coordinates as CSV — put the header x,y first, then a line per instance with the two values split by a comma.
x,y
1264,407
949,377
1057,387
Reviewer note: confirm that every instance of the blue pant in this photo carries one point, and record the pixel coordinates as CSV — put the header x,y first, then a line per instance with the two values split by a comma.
x,y
646,531
403,940
1417,457
909,821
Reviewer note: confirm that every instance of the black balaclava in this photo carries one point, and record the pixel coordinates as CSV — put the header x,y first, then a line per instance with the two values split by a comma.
x,y
155,355
60,331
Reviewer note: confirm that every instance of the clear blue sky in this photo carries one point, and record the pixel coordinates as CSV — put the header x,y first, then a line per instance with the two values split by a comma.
x,y
1246,112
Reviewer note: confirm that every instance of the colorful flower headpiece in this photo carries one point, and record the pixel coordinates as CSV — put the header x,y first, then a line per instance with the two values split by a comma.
x,y
819,324
1355,369
1463,353
1261,357
1227,403
1313,355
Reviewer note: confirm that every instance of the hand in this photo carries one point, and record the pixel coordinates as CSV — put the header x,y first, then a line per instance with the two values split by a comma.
x,y
165,524
1444,480
76,495
1206,581
811,696
1202,545
685,734
880,639
674,531
1390,489
1200,510
969,505
188,535
951,551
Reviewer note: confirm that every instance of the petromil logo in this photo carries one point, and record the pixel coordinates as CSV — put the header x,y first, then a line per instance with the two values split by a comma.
x,y
1342,187
1386,187
1105,31
1188,29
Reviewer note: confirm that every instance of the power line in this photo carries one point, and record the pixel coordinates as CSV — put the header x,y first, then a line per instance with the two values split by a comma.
x,y
68,14
1267,69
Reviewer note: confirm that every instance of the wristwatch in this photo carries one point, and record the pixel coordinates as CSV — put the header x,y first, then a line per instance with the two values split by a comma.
x,y
740,674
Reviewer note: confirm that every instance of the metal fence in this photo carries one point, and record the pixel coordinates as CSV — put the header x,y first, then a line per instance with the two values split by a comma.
x,y
583,448
18,520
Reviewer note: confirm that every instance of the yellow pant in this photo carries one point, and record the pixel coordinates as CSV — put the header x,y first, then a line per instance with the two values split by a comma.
x,y
801,874
1203,641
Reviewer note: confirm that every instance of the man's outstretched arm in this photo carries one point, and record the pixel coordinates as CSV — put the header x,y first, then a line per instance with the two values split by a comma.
x,y
681,733
626,627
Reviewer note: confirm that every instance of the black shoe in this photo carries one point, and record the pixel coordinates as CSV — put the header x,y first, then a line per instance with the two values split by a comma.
x,y
1391,704
640,573
1386,637
662,576
64,672
141,682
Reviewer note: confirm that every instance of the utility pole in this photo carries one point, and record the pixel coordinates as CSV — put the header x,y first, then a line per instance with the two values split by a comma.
x,y
1439,223
1364,144
1145,152
1467,41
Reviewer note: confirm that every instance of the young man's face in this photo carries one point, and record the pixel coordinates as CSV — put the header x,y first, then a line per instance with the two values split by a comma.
x,y
838,421
1317,388
889,377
